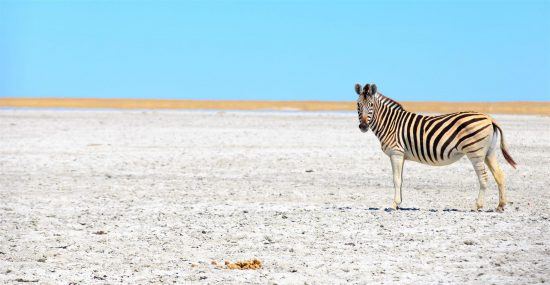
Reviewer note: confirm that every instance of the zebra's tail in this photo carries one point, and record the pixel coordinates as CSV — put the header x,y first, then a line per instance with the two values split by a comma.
x,y
503,147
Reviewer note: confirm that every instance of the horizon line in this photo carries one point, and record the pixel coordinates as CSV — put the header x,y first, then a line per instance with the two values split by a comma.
x,y
502,107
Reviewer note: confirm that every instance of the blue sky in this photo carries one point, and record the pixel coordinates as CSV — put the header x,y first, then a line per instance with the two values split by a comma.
x,y
276,50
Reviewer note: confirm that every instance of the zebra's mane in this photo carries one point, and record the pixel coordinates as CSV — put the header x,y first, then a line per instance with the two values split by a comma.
x,y
389,102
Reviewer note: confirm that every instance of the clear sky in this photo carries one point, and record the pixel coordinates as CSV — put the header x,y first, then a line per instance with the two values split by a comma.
x,y
276,50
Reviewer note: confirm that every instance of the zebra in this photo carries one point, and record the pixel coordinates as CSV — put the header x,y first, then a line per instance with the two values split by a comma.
x,y
433,140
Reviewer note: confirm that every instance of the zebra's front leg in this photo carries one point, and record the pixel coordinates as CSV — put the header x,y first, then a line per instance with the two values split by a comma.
x,y
397,161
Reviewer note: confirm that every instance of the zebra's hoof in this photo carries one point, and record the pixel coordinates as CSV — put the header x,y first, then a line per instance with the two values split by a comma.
x,y
395,205
500,208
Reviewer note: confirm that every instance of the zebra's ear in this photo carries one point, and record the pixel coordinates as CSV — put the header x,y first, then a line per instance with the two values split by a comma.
x,y
357,88
373,89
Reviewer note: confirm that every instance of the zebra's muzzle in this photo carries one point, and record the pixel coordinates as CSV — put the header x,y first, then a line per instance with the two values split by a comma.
x,y
363,127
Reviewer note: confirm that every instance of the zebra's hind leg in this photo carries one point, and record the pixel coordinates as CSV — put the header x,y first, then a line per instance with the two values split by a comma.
x,y
492,163
397,161
479,167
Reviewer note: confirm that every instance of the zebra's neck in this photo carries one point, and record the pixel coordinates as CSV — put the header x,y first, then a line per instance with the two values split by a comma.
x,y
384,109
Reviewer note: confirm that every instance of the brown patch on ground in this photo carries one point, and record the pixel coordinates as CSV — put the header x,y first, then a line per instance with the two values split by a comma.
x,y
541,108
246,264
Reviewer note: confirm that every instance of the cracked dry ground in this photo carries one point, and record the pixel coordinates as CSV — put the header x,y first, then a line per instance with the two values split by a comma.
x,y
100,196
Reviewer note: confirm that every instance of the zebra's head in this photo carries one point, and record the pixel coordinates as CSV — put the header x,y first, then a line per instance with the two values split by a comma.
x,y
365,102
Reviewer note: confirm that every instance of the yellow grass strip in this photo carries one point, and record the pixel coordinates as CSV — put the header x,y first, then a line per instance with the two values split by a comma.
x,y
540,108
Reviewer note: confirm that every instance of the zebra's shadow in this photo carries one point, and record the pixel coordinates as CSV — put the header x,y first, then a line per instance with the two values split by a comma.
x,y
429,210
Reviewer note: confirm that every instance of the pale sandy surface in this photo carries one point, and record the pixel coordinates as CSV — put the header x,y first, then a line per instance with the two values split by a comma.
x,y
523,108
303,192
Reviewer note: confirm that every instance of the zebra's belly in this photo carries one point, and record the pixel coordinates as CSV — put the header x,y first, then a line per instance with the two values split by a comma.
x,y
454,157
